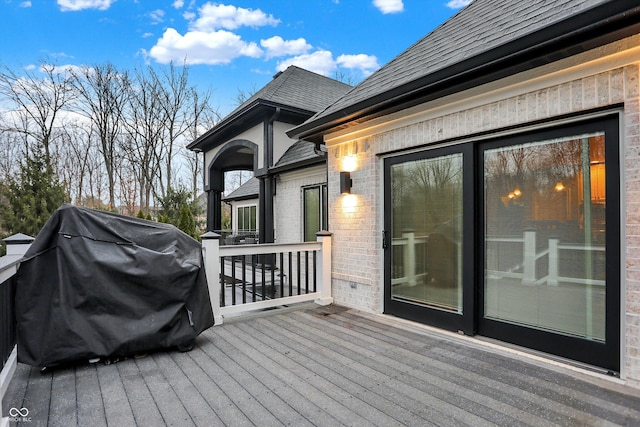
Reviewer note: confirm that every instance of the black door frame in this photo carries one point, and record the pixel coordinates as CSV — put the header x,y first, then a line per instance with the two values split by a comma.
x,y
607,354
421,313
472,321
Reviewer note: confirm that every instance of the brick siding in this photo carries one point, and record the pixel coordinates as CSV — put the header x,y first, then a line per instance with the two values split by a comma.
x,y
357,256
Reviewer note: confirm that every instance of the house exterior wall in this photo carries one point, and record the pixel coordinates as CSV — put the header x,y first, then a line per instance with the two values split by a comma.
x,y
288,201
255,135
281,142
606,77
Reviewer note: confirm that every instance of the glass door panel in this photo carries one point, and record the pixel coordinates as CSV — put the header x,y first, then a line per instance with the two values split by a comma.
x,y
545,234
426,232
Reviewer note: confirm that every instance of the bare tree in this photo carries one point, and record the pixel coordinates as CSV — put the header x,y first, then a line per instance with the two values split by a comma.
x,y
10,150
184,108
38,102
143,145
78,144
104,92
203,119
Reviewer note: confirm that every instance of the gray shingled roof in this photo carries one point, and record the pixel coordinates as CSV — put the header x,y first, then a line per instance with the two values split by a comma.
x,y
299,154
299,88
295,89
248,190
481,27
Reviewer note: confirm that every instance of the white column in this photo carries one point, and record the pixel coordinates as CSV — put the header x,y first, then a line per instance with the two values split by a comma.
x,y
529,254
211,255
552,279
324,271
409,255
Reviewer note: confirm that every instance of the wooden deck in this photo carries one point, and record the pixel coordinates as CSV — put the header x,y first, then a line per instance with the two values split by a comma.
x,y
323,366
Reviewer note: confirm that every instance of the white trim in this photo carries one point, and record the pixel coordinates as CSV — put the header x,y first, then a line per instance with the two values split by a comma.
x,y
5,379
241,205
8,272
241,308
268,248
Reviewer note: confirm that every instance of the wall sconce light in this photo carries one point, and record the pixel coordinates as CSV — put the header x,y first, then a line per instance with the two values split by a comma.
x,y
345,182
349,163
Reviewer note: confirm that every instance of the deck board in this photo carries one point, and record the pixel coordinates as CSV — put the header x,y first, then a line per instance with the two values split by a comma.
x,y
319,366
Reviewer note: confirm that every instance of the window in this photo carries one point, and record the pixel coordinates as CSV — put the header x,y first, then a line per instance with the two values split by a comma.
x,y
514,238
549,197
315,211
247,218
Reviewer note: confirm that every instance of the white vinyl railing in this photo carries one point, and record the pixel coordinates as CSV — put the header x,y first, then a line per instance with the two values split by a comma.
x,y
243,278
523,266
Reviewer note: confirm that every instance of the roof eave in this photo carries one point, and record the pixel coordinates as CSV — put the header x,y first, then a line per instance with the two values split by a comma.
x,y
593,28
251,113
298,165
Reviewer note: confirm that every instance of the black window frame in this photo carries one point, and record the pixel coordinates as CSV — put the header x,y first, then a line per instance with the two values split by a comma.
x,y
323,205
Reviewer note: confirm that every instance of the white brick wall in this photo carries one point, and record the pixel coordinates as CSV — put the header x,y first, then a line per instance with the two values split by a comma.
x,y
288,201
357,255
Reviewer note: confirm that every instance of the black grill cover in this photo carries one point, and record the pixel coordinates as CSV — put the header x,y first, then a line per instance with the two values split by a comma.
x,y
96,284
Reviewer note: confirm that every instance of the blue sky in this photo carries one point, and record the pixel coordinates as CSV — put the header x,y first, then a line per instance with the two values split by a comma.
x,y
230,45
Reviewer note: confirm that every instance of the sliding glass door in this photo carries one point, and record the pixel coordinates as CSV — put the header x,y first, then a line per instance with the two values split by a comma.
x,y
513,238
550,245
426,236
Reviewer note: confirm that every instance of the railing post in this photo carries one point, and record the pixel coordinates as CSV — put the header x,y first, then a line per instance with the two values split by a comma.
x,y
211,255
324,272
18,244
529,254
552,278
409,255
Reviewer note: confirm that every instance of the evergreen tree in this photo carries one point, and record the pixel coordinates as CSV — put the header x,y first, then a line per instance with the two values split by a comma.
x,y
32,196
173,203
187,223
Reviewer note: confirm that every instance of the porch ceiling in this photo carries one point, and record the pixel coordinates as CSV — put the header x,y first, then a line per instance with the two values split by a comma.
x,y
318,366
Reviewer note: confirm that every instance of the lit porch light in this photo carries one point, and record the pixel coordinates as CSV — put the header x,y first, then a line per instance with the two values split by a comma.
x,y
349,163
349,203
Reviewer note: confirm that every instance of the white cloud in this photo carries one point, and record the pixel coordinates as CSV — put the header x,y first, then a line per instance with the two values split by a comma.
x,y
64,69
367,64
320,61
189,16
199,47
215,16
178,4
389,6
25,4
157,16
276,46
147,35
75,5
458,4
